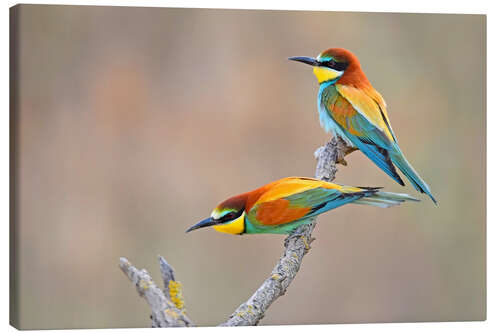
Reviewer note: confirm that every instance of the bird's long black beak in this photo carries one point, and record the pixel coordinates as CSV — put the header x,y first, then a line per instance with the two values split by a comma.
x,y
305,60
205,223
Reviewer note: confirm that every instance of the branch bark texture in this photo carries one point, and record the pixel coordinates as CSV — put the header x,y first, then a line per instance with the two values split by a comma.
x,y
168,306
297,244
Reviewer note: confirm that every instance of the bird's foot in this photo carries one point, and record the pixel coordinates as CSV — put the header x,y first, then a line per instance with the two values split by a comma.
x,y
342,161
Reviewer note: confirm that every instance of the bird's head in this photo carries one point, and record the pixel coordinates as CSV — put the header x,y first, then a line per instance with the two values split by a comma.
x,y
332,64
228,217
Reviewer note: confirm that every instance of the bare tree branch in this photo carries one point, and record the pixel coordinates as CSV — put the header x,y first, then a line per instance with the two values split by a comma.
x,y
297,244
167,311
168,306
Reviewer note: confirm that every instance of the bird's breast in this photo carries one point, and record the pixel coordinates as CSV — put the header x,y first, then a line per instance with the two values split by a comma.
x,y
325,118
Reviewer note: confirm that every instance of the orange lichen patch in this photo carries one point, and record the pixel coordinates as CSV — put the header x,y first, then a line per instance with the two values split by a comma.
x,y
278,212
175,291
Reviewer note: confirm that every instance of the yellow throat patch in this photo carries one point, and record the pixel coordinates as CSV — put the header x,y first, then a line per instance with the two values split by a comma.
x,y
235,227
324,74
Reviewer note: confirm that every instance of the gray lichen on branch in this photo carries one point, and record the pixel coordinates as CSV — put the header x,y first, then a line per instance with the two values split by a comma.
x,y
166,310
168,306
297,244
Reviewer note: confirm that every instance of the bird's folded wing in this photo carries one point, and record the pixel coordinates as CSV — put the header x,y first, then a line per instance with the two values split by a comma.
x,y
289,186
368,128
370,106
301,204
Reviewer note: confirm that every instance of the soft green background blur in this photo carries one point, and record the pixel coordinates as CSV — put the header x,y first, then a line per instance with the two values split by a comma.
x,y
136,122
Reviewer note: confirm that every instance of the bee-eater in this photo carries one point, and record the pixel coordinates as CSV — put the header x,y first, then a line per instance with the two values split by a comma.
x,y
283,205
351,108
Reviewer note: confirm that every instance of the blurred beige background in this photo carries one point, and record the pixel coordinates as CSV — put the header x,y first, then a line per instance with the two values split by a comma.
x,y
135,122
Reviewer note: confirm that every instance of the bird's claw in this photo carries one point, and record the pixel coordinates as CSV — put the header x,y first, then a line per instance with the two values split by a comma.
x,y
342,161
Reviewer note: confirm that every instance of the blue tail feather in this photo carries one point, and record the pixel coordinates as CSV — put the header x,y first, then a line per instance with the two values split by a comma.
x,y
378,158
400,161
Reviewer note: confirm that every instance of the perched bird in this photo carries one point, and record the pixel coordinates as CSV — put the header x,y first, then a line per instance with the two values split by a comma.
x,y
283,205
351,108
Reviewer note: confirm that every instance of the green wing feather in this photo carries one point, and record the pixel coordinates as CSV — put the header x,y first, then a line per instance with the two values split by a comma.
x,y
316,201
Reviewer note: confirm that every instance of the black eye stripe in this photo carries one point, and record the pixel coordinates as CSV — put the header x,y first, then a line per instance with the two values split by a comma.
x,y
338,66
229,216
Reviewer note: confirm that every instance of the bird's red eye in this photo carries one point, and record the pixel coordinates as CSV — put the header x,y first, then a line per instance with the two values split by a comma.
x,y
229,216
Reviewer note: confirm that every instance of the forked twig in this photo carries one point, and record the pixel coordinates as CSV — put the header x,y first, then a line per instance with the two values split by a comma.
x,y
168,306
